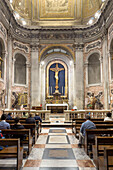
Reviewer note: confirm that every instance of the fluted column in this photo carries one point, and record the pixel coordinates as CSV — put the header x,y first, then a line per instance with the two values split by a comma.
x,y
35,82
9,72
79,76
105,71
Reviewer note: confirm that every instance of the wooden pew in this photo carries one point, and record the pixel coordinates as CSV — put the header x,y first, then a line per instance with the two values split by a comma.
x,y
39,127
106,161
98,148
27,141
33,129
81,120
14,151
98,126
96,132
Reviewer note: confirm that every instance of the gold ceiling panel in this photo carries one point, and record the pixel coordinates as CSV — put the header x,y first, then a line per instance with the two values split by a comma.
x,y
56,9
90,7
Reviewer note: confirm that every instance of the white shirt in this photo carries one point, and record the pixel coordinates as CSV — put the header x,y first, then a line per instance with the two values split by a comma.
x,y
108,119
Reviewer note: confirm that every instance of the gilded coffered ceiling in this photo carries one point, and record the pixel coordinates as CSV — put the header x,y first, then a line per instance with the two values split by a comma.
x,y
39,12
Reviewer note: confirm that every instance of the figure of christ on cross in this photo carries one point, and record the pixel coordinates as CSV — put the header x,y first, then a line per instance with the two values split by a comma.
x,y
56,70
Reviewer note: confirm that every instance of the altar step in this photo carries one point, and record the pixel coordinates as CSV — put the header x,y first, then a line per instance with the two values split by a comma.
x,y
49,125
57,115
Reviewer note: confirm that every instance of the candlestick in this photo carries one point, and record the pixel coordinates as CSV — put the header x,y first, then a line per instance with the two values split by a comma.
x,y
62,89
51,89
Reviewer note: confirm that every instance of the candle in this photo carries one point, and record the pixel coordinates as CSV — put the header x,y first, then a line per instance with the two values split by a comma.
x,y
62,89
51,89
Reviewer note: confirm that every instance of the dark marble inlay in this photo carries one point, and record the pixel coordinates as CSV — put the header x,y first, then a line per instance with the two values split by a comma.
x,y
60,153
57,131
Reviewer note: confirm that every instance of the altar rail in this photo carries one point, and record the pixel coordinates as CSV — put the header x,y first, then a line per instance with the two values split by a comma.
x,y
44,114
69,114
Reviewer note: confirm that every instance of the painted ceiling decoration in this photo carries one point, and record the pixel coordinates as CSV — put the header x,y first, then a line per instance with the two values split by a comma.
x,y
56,12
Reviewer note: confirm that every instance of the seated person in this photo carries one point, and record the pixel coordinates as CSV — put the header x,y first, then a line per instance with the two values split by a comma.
x,y
3,123
25,115
18,125
9,117
108,118
88,124
37,117
30,119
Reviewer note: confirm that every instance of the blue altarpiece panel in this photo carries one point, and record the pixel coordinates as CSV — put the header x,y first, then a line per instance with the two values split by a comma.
x,y
61,80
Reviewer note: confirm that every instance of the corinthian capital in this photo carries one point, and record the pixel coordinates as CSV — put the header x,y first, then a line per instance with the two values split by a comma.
x,y
35,47
78,46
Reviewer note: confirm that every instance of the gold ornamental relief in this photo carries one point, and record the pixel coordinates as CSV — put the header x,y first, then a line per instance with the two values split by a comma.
x,y
56,9
56,6
90,7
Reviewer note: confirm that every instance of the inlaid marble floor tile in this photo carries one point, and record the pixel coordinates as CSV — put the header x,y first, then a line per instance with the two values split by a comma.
x,y
42,139
53,153
45,130
36,154
59,168
57,131
80,154
85,163
68,130
32,163
72,139
39,146
58,163
57,139
57,146
57,134
43,133
88,168
30,168
74,146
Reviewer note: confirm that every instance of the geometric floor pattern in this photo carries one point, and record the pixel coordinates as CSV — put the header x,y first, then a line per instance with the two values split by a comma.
x,y
57,149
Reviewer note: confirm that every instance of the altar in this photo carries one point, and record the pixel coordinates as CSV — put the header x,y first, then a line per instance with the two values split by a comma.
x,y
57,108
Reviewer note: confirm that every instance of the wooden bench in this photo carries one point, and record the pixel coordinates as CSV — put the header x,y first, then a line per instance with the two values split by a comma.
x,y
27,141
12,151
106,161
96,132
98,148
33,129
98,126
81,120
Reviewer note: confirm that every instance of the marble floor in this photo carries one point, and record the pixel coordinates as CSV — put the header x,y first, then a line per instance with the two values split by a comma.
x,y
56,149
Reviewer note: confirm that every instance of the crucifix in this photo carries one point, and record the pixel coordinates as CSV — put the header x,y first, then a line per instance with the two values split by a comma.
x,y
56,70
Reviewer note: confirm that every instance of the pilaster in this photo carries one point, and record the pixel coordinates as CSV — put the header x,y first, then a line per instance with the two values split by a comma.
x,y
35,80
79,75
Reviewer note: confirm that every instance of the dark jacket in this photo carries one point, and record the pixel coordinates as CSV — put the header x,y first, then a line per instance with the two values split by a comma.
x,y
38,118
9,117
30,120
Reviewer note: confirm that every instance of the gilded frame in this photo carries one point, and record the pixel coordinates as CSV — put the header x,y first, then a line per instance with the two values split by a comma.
x,y
59,14
47,78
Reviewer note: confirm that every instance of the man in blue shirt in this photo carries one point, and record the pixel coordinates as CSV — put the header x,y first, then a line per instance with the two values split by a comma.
x,y
37,117
3,123
88,124
9,117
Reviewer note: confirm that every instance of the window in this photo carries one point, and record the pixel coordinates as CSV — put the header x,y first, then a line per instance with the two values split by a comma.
x,y
20,69
94,69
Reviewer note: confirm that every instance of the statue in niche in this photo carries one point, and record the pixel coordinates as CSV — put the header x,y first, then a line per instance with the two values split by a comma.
x,y
94,101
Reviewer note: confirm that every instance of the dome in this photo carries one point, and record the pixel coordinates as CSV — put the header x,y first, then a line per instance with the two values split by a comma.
x,y
56,12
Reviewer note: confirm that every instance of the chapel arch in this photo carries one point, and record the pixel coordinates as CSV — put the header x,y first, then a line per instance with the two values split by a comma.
x,y
20,69
94,75
56,50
